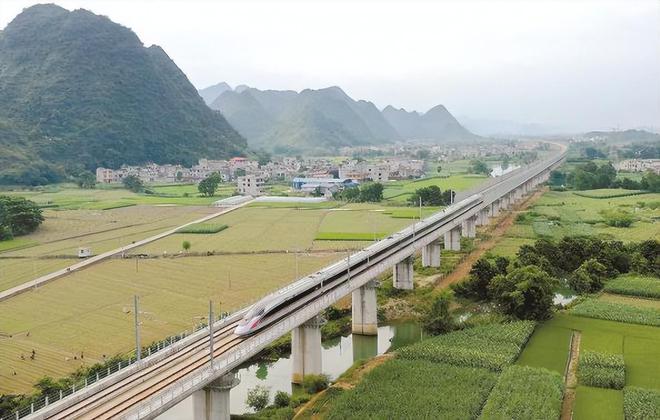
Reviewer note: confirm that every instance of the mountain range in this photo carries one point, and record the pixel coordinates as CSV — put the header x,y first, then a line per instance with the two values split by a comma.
x,y
324,120
77,89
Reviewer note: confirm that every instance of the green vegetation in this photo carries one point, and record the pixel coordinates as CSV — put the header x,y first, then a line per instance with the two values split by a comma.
x,y
133,184
547,348
595,308
404,389
58,81
604,193
399,191
487,346
479,167
525,292
203,228
601,370
633,285
349,236
315,383
525,393
18,216
209,185
598,403
367,193
258,397
640,403
617,218
431,196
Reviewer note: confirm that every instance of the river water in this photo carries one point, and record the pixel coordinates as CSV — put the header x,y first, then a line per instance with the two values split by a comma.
x,y
338,355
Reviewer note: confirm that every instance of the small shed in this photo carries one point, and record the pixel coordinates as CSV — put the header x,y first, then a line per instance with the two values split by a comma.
x,y
84,252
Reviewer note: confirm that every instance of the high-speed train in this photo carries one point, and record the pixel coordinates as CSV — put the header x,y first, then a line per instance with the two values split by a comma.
x,y
269,309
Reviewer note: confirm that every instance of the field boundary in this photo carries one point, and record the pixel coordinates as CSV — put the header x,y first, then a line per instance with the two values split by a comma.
x,y
571,376
6,294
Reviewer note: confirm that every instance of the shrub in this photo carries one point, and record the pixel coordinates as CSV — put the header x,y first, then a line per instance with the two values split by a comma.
x,y
488,346
524,392
257,397
601,370
315,383
593,308
640,403
617,218
439,320
635,286
282,399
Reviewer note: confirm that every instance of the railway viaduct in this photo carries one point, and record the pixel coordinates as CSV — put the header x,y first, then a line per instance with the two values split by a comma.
x,y
200,365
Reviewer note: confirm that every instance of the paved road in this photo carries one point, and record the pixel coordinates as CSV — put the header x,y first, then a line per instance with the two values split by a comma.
x,y
98,258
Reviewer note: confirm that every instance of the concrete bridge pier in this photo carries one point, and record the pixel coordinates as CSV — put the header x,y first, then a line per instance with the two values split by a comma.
x,y
482,217
504,202
403,274
453,239
469,227
306,349
494,209
365,309
431,254
212,402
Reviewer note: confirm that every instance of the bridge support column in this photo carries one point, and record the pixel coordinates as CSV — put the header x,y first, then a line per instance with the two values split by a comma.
x,y
494,209
482,217
431,255
403,274
365,317
212,402
306,349
453,239
469,227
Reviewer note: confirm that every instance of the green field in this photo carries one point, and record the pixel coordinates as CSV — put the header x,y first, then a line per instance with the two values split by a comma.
x,y
548,348
400,191
634,285
598,404
557,214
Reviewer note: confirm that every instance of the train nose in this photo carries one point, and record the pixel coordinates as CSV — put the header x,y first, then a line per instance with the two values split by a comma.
x,y
242,329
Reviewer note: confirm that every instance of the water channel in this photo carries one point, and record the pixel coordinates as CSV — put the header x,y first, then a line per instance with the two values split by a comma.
x,y
338,355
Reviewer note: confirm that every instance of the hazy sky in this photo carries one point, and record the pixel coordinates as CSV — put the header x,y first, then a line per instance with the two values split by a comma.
x,y
576,64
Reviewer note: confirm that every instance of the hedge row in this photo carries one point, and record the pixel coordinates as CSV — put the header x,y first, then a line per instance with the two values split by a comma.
x,y
601,370
524,392
489,346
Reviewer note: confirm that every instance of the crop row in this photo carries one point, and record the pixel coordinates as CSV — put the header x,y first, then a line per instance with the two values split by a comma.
x,y
488,346
593,308
634,286
610,193
404,389
524,392
203,228
641,403
601,370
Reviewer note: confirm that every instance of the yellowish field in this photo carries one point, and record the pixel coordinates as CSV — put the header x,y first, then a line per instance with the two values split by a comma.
x,y
91,311
63,232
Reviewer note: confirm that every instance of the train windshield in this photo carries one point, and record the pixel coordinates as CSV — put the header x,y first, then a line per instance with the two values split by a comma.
x,y
255,311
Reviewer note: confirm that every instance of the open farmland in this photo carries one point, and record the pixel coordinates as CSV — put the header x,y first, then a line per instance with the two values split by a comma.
x,y
91,311
558,214
55,244
400,191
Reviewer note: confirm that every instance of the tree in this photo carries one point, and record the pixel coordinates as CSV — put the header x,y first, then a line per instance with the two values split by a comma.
x,y
18,216
179,176
422,154
371,193
439,320
209,185
479,167
185,245
589,277
525,293
430,196
282,399
557,178
133,183
258,397
86,180
481,274
651,181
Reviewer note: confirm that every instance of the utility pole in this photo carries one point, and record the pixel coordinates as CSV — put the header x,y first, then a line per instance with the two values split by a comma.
x,y
211,332
420,209
138,347
136,263
297,270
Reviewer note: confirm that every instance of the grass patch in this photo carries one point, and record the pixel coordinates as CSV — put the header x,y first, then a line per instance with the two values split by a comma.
x,y
523,392
601,370
349,236
594,308
609,193
489,346
203,228
633,285
598,403
640,403
401,389
548,348
16,243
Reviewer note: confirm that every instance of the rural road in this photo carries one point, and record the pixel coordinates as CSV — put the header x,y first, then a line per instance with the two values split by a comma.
x,y
6,294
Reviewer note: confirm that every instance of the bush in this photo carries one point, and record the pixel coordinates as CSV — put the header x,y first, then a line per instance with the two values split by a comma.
x,y
589,277
601,370
439,320
524,392
640,403
315,383
282,399
257,397
617,218
593,308
488,346
525,293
